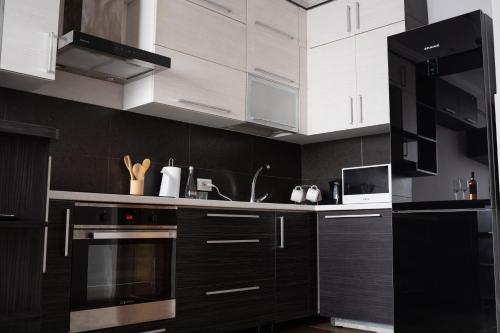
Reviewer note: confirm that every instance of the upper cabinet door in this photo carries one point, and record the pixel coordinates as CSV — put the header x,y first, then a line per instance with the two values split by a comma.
x,y
278,16
189,28
332,87
235,9
373,14
28,37
330,22
372,100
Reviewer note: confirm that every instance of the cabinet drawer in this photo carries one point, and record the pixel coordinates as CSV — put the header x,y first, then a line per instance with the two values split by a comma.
x,y
213,262
224,224
224,305
193,84
186,27
235,9
264,14
274,56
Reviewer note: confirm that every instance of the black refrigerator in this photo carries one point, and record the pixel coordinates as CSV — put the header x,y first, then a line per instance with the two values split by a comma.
x,y
442,85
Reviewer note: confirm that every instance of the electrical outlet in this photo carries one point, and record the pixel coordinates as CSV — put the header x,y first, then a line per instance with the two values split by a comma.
x,y
203,184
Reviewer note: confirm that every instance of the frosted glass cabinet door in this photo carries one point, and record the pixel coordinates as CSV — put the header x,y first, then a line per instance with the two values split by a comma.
x,y
272,104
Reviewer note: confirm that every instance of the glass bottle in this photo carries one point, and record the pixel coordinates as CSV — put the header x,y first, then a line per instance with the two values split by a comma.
x,y
191,192
472,187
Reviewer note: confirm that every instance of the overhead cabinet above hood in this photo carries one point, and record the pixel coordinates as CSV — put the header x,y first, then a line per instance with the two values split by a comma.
x,y
93,43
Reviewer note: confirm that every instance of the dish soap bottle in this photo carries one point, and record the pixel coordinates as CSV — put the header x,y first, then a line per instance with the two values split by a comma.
x,y
191,192
472,187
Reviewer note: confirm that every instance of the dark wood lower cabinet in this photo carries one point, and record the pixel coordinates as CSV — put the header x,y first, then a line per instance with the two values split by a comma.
x,y
296,266
57,278
355,264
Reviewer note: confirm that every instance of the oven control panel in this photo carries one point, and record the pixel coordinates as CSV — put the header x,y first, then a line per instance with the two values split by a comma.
x,y
103,214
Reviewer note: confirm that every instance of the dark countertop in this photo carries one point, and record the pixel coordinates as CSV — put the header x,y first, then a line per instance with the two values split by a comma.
x,y
14,127
440,205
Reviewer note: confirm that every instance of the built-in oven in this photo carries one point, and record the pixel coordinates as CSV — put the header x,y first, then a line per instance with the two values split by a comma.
x,y
123,265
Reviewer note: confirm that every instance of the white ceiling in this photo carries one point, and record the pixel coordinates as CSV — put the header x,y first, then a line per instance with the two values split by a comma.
x,y
308,3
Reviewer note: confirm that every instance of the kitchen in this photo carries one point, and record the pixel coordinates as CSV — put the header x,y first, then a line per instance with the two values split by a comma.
x,y
331,140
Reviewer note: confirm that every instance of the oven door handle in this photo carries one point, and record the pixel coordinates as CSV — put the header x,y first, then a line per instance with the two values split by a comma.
x,y
134,235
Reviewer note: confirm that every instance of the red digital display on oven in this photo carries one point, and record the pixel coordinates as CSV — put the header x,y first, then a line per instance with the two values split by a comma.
x,y
128,217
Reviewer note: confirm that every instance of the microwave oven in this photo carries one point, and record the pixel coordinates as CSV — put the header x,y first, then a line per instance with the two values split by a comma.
x,y
367,184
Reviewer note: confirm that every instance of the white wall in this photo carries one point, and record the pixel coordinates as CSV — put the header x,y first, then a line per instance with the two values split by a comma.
x,y
442,9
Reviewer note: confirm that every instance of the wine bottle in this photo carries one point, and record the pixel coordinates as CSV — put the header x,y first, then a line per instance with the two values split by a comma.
x,y
191,192
472,187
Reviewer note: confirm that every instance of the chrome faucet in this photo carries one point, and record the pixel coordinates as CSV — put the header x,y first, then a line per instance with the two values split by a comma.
x,y
254,181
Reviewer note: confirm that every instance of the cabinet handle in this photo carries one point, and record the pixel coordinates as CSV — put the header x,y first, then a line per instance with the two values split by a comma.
x,y
51,68
218,5
360,109
351,101
329,217
233,241
7,217
45,236
273,122
281,77
215,108
450,111
470,120
234,216
282,232
348,18
358,16
66,234
161,330
273,29
231,291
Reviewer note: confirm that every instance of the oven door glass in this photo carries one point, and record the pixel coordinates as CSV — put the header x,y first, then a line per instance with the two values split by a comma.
x,y
119,272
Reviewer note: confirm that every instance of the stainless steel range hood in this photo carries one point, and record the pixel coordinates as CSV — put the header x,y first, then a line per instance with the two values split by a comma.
x,y
94,43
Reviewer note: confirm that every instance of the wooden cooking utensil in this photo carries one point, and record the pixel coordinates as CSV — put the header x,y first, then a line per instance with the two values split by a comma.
x,y
145,166
137,171
128,164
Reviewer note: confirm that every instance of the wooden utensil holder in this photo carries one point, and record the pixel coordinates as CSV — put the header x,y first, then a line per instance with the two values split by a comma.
x,y
137,187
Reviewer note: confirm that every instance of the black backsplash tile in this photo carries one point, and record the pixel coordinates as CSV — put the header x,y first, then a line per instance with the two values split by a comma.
x,y
89,155
376,149
220,150
281,156
325,160
73,172
143,136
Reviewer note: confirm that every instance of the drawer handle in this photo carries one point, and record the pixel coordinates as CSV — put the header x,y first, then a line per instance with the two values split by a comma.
x,y
231,291
233,241
234,216
215,108
328,217
273,29
66,232
273,122
281,77
218,5
156,331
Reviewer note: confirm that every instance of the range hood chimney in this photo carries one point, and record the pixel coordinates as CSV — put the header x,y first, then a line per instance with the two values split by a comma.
x,y
93,43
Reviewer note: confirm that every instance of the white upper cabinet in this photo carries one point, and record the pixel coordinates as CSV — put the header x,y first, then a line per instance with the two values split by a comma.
x,y
348,82
372,75
193,84
235,9
373,14
331,87
28,37
343,18
273,41
329,22
186,27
